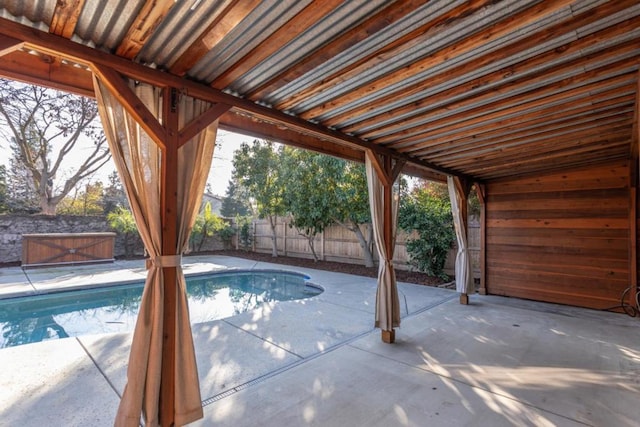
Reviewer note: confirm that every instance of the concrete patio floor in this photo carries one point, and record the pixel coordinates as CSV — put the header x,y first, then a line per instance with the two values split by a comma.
x,y
498,361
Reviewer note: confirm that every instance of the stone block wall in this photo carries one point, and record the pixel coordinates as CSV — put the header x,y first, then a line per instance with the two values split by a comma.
x,y
12,227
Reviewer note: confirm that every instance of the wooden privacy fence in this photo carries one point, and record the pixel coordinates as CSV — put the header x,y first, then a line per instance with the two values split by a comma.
x,y
338,244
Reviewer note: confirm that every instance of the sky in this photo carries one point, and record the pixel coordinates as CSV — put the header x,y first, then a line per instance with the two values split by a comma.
x,y
219,175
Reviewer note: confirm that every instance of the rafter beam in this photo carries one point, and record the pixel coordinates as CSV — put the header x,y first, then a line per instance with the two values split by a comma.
x,y
230,15
391,13
554,94
296,25
552,83
436,143
65,17
448,74
151,14
509,24
81,54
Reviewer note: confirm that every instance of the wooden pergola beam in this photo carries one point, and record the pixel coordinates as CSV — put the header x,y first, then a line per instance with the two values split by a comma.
x,y
599,127
498,88
297,24
132,104
587,97
9,44
198,124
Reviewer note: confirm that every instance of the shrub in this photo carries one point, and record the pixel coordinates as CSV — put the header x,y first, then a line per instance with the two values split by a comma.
x,y
121,220
427,210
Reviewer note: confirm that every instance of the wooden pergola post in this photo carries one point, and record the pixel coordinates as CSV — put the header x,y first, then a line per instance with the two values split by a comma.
x,y
169,212
390,335
463,188
481,192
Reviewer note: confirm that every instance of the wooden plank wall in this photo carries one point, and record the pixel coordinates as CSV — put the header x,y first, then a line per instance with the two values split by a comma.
x,y
561,237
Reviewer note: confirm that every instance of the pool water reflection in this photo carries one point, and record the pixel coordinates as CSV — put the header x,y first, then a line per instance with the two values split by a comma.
x,y
115,308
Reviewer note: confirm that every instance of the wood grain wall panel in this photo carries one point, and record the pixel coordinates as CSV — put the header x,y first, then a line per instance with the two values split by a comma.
x,y
562,237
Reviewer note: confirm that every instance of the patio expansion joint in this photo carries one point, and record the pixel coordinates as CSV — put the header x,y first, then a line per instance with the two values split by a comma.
x,y
95,363
282,369
262,338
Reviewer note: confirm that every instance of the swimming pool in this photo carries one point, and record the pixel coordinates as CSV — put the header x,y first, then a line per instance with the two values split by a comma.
x,y
115,308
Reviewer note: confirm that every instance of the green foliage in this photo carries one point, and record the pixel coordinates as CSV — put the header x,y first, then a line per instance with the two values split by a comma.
x,y
83,202
312,184
427,210
234,202
244,232
209,224
353,195
256,169
121,221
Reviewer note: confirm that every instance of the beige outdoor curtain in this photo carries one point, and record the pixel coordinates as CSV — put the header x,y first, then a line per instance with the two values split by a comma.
x,y
387,301
138,161
464,278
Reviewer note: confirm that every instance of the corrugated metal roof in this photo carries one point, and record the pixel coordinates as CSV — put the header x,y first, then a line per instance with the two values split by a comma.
x,y
413,76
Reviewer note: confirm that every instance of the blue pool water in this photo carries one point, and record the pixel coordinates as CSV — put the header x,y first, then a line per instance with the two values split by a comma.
x,y
114,309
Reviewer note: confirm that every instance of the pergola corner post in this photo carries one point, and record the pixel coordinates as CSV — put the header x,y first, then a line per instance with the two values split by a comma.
x,y
162,379
382,172
169,217
459,189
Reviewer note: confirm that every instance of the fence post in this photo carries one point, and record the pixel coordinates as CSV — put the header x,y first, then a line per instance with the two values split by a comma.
x,y
284,236
253,237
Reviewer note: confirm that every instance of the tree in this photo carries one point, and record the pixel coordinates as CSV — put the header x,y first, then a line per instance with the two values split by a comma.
x,y
311,197
4,208
352,210
256,168
234,202
85,201
207,224
427,211
44,126
323,190
113,194
20,196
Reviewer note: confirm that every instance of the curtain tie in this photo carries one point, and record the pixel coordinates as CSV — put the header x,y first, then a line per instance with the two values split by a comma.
x,y
160,261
